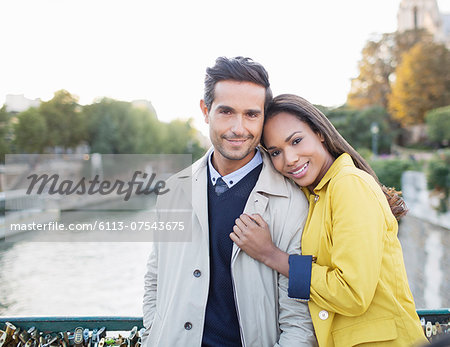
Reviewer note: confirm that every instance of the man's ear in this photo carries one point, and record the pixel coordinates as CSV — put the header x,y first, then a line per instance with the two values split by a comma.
x,y
205,111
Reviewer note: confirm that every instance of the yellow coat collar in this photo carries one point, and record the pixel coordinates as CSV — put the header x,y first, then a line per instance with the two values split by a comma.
x,y
343,160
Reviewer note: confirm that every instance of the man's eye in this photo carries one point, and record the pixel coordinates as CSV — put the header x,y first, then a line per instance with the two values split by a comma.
x,y
253,115
225,112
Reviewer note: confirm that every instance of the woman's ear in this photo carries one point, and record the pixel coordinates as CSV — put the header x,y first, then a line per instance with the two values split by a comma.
x,y
320,136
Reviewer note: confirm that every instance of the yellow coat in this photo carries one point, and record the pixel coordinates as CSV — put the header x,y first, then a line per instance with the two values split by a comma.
x,y
359,289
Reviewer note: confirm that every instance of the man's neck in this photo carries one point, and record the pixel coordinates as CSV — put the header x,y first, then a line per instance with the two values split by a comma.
x,y
226,166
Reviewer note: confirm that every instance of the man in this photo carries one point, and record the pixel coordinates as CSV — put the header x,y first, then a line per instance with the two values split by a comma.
x,y
207,292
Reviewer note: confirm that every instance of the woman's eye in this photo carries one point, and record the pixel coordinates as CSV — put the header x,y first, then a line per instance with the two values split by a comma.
x,y
274,153
296,141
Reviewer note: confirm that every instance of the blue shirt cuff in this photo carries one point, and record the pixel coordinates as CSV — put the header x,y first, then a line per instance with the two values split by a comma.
x,y
299,276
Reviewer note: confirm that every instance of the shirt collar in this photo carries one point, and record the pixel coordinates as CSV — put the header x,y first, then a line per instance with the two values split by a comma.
x,y
233,178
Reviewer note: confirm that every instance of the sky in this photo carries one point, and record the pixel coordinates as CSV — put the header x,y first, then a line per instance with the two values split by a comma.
x,y
159,50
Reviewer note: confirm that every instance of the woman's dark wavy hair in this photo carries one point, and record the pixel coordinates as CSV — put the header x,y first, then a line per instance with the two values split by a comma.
x,y
334,142
235,69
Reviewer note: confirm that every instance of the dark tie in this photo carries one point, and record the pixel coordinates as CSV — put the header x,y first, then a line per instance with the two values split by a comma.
x,y
220,187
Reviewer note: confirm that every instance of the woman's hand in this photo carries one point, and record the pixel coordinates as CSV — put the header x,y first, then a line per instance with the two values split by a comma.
x,y
252,235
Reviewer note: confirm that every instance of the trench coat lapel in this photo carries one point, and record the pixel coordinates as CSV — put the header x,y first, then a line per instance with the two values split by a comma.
x,y
199,193
200,198
270,182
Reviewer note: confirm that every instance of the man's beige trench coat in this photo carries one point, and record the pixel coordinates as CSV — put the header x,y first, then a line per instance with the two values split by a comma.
x,y
177,278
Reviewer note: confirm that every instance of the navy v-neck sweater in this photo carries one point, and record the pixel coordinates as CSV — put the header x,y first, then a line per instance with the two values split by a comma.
x,y
221,321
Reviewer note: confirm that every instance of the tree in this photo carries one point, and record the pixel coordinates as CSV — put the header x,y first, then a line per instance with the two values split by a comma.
x,y
422,83
438,125
30,132
181,138
118,127
103,123
354,125
5,133
64,119
380,57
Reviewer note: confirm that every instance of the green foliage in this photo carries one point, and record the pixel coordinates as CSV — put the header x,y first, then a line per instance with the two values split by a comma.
x,y
30,131
438,177
108,127
365,153
5,133
181,139
65,123
389,171
438,125
354,126
118,127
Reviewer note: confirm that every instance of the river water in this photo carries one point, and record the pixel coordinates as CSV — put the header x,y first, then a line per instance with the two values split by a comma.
x,y
106,278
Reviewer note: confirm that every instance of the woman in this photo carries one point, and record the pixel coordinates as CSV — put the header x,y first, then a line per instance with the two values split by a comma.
x,y
352,269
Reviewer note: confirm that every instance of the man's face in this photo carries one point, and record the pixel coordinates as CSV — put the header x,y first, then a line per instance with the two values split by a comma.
x,y
235,121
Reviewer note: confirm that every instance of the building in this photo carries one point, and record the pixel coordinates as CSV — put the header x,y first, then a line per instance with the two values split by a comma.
x,y
18,103
424,14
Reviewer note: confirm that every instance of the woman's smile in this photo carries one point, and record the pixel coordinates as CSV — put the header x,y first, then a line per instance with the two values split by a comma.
x,y
300,170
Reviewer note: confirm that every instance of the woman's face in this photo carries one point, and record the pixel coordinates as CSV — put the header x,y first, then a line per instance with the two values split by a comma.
x,y
296,151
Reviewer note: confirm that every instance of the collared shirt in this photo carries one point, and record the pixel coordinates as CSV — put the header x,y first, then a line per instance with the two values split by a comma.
x,y
232,178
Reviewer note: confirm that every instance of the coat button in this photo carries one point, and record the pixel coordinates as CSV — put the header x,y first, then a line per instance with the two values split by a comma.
x,y
188,325
197,273
323,315
316,198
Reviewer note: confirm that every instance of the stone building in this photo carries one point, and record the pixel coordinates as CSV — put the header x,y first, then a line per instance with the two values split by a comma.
x,y
418,14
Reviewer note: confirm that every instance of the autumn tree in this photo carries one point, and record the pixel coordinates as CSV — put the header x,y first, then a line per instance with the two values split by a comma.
x,y
422,83
380,57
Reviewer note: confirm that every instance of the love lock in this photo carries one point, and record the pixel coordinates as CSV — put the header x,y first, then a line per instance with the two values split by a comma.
x,y
15,342
64,338
41,339
122,341
24,337
7,335
86,336
78,337
133,337
94,340
101,333
428,329
2,338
